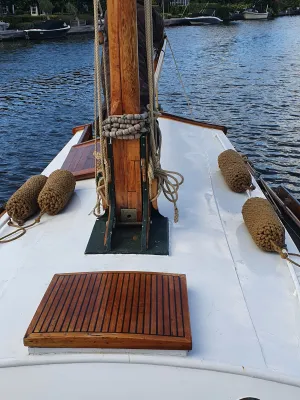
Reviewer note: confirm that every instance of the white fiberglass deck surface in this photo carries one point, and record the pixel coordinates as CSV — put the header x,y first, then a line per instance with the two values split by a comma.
x,y
243,307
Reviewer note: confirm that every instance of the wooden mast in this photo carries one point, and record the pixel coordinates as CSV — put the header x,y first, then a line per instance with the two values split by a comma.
x,y
130,225
125,99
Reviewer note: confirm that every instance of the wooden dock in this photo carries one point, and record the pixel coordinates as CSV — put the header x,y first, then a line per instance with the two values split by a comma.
x,y
11,35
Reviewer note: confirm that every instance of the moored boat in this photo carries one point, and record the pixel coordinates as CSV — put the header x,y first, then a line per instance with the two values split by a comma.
x,y
253,14
204,20
50,29
128,304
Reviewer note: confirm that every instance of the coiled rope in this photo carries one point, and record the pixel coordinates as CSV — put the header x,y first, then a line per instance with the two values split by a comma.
x,y
130,126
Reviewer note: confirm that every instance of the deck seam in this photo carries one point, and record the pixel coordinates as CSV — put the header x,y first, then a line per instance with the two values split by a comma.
x,y
233,260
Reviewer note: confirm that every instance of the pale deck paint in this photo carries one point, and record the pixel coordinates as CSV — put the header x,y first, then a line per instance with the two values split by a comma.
x,y
245,314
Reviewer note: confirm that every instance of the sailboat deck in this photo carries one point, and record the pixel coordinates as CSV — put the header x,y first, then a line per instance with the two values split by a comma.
x,y
243,307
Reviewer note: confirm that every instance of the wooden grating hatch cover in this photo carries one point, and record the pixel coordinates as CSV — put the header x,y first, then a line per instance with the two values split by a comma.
x,y
120,310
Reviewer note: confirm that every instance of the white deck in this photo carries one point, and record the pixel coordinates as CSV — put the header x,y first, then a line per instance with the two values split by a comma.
x,y
245,313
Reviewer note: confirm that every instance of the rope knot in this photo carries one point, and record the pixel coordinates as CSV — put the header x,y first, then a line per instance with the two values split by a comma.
x,y
38,219
284,254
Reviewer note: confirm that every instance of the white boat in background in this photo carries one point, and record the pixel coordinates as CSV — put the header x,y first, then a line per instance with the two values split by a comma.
x,y
4,26
214,318
204,20
50,29
253,14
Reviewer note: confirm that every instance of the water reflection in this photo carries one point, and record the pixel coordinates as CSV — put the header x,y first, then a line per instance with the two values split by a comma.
x,y
244,75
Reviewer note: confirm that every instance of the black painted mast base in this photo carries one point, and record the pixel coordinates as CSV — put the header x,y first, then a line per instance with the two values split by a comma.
x,y
127,239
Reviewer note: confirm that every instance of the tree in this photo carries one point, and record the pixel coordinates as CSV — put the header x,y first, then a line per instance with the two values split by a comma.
x,y
46,6
23,5
71,9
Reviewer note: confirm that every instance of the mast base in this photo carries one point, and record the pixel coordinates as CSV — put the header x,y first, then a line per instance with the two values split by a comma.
x,y
128,239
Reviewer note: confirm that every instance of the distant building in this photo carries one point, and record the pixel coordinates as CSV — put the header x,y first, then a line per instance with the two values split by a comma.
x,y
179,2
34,11
6,8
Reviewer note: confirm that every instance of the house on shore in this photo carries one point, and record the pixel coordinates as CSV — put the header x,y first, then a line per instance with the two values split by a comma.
x,y
179,2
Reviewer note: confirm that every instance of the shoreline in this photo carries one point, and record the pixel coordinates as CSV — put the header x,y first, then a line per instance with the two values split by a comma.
x,y
11,35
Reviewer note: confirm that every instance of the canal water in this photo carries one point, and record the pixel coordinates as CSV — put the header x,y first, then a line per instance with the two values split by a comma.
x,y
245,76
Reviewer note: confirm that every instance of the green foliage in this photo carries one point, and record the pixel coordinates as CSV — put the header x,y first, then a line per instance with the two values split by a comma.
x,y
223,7
46,6
26,25
17,22
76,7
71,9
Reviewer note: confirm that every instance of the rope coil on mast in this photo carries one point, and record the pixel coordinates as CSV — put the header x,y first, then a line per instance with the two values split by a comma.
x,y
130,127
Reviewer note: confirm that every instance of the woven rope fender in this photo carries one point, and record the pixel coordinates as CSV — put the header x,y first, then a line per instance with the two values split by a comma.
x,y
234,171
263,224
57,192
23,203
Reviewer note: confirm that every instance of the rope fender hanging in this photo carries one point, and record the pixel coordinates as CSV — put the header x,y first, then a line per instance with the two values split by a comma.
x,y
56,192
235,172
265,227
54,195
23,203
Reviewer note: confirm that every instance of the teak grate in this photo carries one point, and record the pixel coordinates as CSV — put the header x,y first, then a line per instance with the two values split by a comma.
x,y
81,161
122,310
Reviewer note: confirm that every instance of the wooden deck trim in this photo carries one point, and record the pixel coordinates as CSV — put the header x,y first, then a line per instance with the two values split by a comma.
x,y
86,134
193,122
111,309
107,341
77,128
182,276
84,144
88,173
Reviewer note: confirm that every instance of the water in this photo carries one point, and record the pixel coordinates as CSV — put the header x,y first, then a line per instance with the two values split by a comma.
x,y
245,76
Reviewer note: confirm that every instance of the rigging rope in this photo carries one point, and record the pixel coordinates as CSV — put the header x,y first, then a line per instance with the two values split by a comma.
x,y
189,103
168,181
101,164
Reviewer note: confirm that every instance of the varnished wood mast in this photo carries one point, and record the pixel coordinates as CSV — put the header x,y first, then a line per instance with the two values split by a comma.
x,y
125,99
